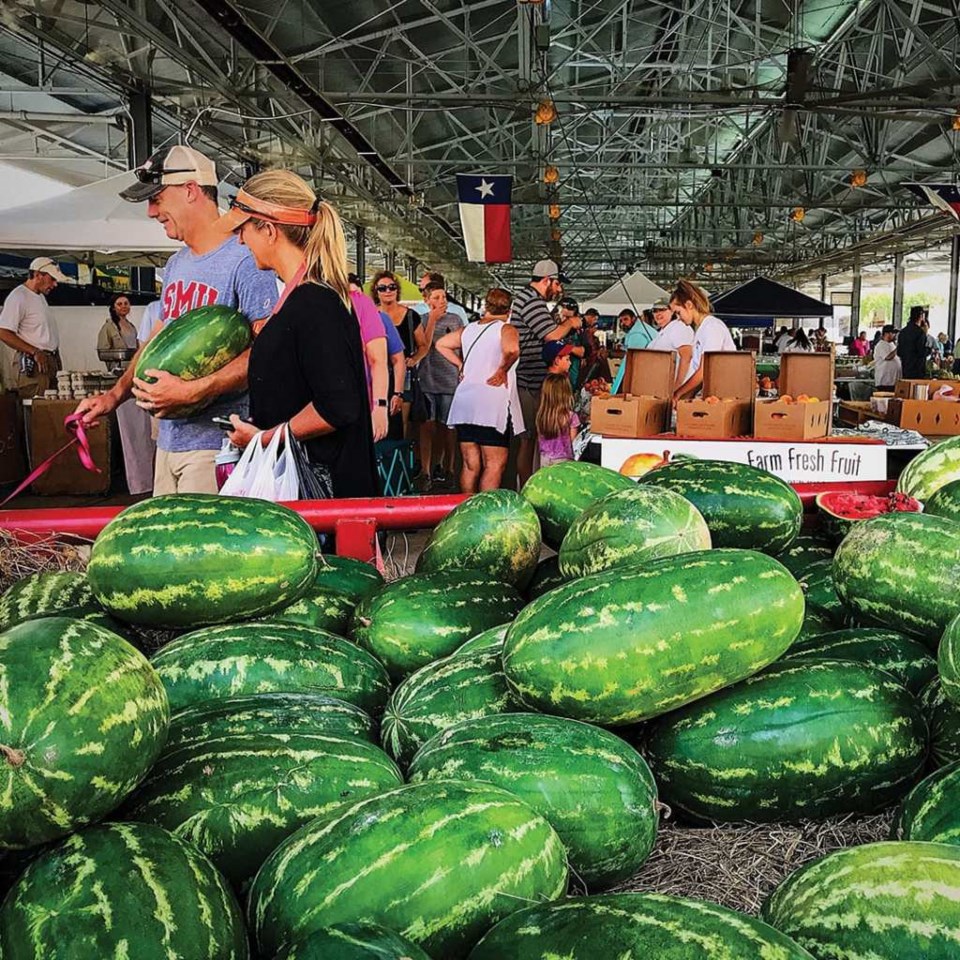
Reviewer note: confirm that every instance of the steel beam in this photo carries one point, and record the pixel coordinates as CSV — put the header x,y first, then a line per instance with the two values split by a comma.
x,y
952,295
896,317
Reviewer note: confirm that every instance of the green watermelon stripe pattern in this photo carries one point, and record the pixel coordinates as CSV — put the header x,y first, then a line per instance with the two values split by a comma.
x,y
236,797
64,594
186,560
944,718
888,900
615,650
83,715
229,661
354,941
634,926
931,469
438,862
945,502
124,891
488,641
931,810
948,661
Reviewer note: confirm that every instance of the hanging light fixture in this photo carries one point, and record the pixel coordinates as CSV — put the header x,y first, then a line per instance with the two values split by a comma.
x,y
797,214
757,239
708,267
858,178
551,174
546,112
956,121
555,235
554,211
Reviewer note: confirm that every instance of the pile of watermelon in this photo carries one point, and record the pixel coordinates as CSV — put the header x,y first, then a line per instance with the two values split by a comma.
x,y
325,765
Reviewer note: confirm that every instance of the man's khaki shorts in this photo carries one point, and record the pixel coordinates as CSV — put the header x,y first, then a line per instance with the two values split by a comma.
x,y
193,471
529,405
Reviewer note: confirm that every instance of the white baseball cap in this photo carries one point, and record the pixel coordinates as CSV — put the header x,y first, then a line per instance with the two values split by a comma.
x,y
171,167
49,267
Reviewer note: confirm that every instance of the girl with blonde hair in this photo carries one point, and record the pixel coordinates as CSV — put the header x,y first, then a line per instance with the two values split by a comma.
x,y
692,307
306,363
557,423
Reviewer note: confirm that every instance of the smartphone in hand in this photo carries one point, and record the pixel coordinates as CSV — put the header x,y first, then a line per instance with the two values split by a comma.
x,y
222,422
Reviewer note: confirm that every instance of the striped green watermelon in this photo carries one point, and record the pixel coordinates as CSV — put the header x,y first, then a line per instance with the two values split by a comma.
x,y
562,491
900,571
439,862
803,552
268,713
241,659
617,649
820,593
65,594
197,344
879,901
631,526
948,661
546,577
354,941
931,810
945,502
815,624
445,692
634,926
83,716
322,607
932,469
416,620
592,787
943,716
744,507
236,797
352,577
802,740
186,560
122,890
487,641
495,534
908,661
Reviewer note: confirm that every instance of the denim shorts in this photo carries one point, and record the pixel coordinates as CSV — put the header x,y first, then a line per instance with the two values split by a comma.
x,y
438,406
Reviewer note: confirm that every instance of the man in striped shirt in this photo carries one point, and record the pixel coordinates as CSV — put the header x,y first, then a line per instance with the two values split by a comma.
x,y
531,316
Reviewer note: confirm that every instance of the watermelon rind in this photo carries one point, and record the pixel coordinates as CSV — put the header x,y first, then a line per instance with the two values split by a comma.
x,y
439,862
945,502
83,716
61,594
352,577
487,641
931,469
893,900
804,551
948,661
931,810
353,941
546,577
943,717
122,890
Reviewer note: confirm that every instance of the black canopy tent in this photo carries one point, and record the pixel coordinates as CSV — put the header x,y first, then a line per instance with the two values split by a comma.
x,y
757,302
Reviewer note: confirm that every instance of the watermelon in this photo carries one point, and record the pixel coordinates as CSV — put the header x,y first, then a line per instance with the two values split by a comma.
x,y
186,560
445,692
562,491
815,624
908,661
931,469
439,862
65,594
634,926
249,658
122,890
900,571
948,661
197,344
321,607
489,641
879,901
416,620
944,720
592,787
931,810
615,650
352,577
495,533
83,716
802,740
945,502
803,552
236,797
354,941
821,594
744,507
631,527
546,577
268,713
839,510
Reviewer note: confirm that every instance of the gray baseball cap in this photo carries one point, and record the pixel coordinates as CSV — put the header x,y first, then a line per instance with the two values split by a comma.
x,y
548,268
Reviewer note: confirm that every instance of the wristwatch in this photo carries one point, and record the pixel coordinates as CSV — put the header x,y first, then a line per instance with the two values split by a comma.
x,y
381,402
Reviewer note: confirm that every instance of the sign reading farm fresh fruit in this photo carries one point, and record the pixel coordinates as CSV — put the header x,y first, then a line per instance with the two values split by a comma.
x,y
822,461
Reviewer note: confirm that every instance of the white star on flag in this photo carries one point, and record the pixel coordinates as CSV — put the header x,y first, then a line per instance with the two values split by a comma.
x,y
485,188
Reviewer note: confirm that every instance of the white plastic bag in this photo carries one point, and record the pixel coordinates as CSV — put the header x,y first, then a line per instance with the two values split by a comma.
x,y
265,473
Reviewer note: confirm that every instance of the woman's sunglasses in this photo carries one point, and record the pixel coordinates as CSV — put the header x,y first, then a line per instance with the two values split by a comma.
x,y
386,287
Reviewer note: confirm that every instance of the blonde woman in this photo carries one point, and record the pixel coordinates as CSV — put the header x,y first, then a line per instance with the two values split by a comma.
x,y
306,364
692,307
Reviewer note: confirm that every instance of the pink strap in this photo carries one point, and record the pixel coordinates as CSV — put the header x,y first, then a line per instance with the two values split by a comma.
x,y
73,424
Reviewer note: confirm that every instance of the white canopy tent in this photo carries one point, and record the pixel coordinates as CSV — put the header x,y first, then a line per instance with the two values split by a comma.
x,y
632,291
90,219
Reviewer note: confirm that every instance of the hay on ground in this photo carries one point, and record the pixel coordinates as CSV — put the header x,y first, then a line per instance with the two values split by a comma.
x,y
49,555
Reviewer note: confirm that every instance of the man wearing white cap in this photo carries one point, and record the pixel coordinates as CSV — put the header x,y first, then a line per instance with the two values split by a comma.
x,y
179,185
28,327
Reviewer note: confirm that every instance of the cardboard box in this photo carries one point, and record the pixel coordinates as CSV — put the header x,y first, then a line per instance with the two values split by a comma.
x,y
67,475
733,378
800,373
932,418
13,461
904,388
854,412
642,408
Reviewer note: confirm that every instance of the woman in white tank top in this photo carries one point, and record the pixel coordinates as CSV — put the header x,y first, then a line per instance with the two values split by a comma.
x,y
486,406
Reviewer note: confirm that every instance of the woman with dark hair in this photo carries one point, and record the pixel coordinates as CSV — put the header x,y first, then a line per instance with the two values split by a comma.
x,y
711,334
117,332
799,343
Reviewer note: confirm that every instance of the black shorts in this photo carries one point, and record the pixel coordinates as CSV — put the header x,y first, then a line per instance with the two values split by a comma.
x,y
484,436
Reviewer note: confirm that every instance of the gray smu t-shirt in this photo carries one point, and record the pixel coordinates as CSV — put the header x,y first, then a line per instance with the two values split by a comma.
x,y
227,275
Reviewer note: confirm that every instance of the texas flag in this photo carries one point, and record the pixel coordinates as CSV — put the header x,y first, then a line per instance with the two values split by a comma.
x,y
944,196
485,217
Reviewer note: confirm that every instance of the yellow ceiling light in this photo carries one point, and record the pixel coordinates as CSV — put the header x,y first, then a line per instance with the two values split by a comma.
x,y
797,214
546,112
555,235
551,174
757,239
554,211
708,267
956,121
858,178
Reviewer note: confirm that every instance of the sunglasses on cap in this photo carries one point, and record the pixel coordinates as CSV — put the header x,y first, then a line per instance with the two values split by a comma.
x,y
156,174
386,287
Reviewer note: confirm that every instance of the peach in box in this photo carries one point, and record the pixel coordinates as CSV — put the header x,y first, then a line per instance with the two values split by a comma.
x,y
642,409
801,375
729,390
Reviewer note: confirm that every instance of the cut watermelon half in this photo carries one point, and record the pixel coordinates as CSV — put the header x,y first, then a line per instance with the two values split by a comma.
x,y
838,509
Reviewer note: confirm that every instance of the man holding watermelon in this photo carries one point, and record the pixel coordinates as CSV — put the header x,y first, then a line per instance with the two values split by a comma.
x,y
179,185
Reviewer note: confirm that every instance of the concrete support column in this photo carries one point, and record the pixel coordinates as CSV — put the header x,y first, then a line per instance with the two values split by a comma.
x,y
952,295
823,288
855,300
896,317
139,125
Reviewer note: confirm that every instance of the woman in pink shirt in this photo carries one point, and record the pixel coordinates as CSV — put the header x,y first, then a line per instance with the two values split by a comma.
x,y
860,347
